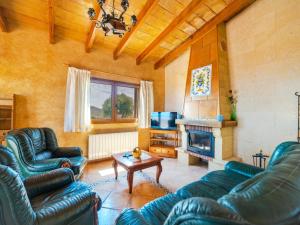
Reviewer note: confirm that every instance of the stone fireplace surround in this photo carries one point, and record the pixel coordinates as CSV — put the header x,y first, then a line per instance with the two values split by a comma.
x,y
223,133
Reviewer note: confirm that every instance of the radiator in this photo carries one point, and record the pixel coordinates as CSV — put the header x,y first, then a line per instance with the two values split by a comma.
x,y
104,145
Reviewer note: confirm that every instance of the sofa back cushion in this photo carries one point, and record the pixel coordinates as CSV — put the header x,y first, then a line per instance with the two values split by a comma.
x,y
7,158
271,197
37,137
280,151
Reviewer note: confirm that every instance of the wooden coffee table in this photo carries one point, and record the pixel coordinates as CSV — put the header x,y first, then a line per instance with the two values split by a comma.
x,y
131,165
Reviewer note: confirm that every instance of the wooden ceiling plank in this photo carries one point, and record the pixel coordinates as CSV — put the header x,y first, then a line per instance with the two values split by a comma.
x,y
92,31
210,9
3,25
227,13
176,22
51,21
148,7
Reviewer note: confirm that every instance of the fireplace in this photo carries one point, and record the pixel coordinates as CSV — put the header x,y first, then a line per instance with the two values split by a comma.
x,y
201,142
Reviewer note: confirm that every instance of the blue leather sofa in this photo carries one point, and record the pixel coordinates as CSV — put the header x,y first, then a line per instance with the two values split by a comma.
x,y
37,152
239,194
52,198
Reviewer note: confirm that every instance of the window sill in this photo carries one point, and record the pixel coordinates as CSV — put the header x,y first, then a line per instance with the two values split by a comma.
x,y
132,121
114,130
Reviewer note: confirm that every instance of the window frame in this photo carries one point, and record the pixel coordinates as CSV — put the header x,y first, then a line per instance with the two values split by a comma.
x,y
114,85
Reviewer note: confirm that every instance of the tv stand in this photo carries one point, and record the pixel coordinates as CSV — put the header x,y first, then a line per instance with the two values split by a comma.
x,y
164,142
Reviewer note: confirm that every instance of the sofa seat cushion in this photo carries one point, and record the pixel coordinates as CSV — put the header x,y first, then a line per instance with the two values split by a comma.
x,y
43,155
225,180
156,212
47,199
201,188
66,203
77,163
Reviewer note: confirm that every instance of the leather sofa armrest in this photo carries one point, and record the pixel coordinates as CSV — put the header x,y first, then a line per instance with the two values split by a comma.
x,y
202,211
47,182
67,152
130,217
243,168
15,204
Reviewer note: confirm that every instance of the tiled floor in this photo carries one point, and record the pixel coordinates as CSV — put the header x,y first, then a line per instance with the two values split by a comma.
x,y
115,196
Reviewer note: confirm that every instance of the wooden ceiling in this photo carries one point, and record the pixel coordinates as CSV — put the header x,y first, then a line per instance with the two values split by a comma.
x,y
164,30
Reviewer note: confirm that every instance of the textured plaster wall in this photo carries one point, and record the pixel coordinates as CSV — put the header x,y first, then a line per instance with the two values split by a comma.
x,y
34,70
264,56
175,79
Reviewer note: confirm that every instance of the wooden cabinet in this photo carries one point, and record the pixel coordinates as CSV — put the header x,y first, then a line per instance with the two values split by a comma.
x,y
6,116
164,142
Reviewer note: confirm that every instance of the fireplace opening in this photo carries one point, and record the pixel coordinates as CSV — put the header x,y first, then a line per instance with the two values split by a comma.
x,y
201,142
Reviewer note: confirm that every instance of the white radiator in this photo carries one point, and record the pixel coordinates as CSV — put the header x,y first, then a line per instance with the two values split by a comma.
x,y
104,145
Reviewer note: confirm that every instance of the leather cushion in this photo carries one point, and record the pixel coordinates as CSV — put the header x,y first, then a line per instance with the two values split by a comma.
x,y
78,163
225,180
43,155
272,196
63,194
37,137
281,150
65,205
157,211
201,189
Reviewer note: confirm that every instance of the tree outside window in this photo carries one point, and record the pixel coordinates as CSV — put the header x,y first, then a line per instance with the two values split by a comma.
x,y
113,101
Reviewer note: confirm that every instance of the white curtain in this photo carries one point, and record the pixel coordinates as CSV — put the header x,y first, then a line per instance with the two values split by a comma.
x,y
77,108
146,103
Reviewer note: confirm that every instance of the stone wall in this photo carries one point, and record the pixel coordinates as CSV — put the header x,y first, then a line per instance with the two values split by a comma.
x,y
264,56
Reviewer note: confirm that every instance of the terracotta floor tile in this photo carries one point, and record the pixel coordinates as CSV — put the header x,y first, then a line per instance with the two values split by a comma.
x,y
145,189
102,193
108,216
137,202
117,200
114,193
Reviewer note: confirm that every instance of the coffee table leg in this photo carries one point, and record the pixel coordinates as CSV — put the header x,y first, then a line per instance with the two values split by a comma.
x,y
115,165
158,171
130,180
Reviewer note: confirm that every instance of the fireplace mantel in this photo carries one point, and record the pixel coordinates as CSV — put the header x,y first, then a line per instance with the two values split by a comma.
x,y
207,123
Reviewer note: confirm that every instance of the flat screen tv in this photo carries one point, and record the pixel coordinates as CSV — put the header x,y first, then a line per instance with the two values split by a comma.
x,y
164,120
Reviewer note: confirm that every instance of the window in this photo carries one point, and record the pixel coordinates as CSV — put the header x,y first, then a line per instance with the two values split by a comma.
x,y
113,101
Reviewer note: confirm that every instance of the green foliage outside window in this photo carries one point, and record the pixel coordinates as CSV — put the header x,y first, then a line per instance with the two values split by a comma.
x,y
125,106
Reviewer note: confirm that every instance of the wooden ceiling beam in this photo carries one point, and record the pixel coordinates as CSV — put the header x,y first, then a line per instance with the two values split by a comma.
x,y
51,21
148,7
3,25
227,13
175,23
92,30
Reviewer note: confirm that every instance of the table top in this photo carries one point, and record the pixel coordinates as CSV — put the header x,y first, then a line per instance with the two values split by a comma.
x,y
130,161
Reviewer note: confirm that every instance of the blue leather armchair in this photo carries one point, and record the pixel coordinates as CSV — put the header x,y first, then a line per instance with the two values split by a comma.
x,y
37,152
52,198
239,194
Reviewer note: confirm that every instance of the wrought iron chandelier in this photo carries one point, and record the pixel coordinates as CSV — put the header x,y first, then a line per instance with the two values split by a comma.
x,y
112,23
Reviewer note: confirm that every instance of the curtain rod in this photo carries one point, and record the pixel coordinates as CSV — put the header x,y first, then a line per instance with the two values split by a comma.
x,y
98,71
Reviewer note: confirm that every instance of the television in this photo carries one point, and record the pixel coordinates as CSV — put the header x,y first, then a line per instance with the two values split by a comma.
x,y
164,120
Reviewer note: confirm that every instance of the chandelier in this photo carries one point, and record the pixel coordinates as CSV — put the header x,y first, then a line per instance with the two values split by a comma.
x,y
112,23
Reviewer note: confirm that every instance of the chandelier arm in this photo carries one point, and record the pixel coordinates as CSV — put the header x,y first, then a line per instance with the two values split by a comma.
x,y
113,8
122,13
102,9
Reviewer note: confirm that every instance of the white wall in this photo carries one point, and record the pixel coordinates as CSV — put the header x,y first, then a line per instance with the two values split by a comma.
x,y
175,79
264,59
